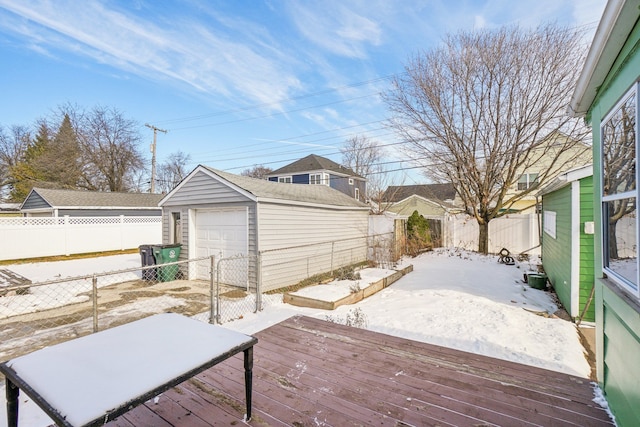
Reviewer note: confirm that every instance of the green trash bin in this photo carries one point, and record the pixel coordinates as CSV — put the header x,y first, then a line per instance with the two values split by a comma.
x,y
165,254
537,281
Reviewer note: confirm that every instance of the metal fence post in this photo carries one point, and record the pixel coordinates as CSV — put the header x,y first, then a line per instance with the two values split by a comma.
x,y
94,285
211,279
332,247
218,293
258,282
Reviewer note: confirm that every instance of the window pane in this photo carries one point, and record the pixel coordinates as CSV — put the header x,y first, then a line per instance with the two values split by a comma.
x,y
620,238
619,149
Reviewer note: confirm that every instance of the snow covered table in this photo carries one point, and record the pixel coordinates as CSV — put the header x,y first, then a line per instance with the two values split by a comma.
x,y
94,379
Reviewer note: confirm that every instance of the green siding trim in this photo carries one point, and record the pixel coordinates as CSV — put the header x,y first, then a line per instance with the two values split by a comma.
x,y
556,253
587,257
621,350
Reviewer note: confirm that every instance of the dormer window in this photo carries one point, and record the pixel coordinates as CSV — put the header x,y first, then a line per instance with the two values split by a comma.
x,y
319,179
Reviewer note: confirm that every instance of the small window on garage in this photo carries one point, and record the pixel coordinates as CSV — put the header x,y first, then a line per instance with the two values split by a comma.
x,y
176,228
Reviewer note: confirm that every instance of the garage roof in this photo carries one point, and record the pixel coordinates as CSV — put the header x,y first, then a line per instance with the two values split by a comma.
x,y
56,198
263,189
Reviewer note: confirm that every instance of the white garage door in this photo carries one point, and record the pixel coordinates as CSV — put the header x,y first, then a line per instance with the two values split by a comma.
x,y
222,233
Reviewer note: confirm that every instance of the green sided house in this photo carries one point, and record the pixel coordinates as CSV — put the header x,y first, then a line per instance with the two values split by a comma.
x,y
607,94
567,240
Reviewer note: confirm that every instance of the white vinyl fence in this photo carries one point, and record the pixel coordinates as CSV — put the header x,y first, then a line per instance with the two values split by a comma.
x,y
519,233
37,237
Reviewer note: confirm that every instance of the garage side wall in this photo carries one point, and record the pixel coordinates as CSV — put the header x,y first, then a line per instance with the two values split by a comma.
x,y
297,242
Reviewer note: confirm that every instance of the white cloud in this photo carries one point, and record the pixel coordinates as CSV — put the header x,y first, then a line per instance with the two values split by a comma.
x,y
480,22
335,28
183,50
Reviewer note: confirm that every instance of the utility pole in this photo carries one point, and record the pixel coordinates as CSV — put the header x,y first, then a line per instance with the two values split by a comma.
x,y
153,155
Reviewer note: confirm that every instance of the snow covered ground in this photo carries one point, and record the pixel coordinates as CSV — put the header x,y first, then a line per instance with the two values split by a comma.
x,y
452,298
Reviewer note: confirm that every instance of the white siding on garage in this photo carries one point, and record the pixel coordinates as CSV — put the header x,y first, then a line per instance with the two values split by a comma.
x,y
314,233
284,226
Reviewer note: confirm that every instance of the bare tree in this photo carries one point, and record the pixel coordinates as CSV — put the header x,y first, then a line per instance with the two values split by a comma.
x,y
257,171
13,147
481,108
172,171
619,162
109,144
364,156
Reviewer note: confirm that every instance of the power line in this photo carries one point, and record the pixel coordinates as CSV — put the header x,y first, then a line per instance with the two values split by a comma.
x,y
280,101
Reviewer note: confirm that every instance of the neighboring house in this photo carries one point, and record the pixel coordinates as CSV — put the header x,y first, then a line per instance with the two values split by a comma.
x,y
227,215
317,170
577,156
607,94
9,209
435,202
567,240
45,202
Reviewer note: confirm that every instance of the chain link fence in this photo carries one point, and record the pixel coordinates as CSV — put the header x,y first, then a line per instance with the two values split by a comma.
x,y
35,315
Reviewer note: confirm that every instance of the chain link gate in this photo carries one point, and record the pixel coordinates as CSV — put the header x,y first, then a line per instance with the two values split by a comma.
x,y
237,288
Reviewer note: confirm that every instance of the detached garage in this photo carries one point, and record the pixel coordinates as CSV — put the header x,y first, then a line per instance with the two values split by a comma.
x,y
225,215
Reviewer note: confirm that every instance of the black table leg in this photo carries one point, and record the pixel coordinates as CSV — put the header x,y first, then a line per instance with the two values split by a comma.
x,y
248,378
12,403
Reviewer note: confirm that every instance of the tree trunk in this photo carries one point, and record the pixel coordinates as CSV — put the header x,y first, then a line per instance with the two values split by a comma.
x,y
483,237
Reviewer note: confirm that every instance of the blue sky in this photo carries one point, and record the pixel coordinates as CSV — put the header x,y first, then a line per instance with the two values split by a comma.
x,y
243,82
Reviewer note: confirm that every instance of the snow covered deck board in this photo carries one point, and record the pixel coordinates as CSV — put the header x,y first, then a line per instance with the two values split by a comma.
x,y
310,372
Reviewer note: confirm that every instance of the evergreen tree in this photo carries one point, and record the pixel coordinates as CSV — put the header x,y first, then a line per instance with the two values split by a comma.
x,y
28,173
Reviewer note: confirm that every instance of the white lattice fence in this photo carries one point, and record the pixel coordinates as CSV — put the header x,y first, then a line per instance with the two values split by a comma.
x,y
38,237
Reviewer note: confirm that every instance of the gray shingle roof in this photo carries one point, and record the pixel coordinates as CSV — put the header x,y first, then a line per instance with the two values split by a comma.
x,y
317,194
313,163
434,192
80,198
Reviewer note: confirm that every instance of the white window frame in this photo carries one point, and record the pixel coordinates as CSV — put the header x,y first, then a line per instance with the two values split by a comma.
x,y
550,223
319,179
285,179
357,193
613,275
350,181
527,181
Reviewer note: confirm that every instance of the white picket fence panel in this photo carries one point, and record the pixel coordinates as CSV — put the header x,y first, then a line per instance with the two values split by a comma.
x,y
519,233
39,236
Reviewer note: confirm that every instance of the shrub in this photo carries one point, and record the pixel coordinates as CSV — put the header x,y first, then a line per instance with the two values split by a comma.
x,y
418,235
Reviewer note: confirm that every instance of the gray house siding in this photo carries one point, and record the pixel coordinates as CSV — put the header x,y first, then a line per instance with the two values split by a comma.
x,y
36,202
199,193
202,189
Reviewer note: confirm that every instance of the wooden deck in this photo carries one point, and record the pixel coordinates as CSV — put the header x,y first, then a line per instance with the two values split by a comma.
x,y
308,372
